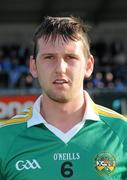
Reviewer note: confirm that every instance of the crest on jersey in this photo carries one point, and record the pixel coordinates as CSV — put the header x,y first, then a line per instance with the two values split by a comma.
x,y
105,163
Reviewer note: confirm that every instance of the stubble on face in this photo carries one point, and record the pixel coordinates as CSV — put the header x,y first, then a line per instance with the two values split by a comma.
x,y
57,98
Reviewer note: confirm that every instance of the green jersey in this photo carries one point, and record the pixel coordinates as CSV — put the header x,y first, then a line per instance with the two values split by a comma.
x,y
94,149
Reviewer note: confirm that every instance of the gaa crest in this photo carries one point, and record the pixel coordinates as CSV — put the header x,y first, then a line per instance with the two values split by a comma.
x,y
105,163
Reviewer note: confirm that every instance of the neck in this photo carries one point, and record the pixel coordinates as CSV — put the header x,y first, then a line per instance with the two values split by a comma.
x,y
63,116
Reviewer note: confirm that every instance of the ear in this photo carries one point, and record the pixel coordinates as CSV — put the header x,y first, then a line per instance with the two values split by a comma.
x,y
33,67
89,66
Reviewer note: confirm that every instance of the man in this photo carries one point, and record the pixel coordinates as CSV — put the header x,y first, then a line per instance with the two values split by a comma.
x,y
65,135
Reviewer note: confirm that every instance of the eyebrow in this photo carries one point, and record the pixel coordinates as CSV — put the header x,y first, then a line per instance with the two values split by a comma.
x,y
45,54
70,54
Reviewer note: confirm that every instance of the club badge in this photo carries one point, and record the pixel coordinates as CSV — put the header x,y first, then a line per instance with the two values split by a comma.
x,y
105,163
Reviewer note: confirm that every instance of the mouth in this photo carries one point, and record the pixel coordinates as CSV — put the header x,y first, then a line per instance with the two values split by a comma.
x,y
60,82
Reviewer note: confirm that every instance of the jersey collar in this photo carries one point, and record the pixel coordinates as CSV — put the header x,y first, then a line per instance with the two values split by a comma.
x,y
89,113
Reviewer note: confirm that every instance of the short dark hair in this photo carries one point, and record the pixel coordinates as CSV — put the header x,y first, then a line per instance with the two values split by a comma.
x,y
67,27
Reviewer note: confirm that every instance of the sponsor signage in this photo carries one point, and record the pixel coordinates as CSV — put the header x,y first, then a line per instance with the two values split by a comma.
x,y
11,105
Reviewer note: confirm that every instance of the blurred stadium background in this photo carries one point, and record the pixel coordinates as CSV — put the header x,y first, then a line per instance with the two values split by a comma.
x,y
108,21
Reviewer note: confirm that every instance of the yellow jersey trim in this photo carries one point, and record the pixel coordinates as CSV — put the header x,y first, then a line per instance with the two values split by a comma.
x,y
101,110
22,117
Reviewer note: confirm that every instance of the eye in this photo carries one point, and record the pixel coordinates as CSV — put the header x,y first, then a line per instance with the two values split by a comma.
x,y
71,57
50,57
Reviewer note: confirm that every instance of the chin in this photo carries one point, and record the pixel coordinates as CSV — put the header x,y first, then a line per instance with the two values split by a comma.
x,y
58,96
60,99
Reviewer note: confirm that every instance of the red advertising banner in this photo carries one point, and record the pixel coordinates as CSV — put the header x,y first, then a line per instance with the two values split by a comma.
x,y
11,105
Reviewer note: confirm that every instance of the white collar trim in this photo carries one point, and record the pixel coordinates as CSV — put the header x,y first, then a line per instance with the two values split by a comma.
x,y
38,119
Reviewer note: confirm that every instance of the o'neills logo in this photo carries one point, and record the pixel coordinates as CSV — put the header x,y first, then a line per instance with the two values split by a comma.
x,y
66,156
105,163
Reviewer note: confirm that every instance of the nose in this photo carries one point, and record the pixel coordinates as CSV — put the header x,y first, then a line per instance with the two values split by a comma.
x,y
61,66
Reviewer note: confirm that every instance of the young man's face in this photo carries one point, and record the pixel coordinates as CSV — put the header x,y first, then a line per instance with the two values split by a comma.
x,y
61,68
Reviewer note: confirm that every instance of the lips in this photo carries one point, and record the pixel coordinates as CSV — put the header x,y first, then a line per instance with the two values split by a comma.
x,y
60,81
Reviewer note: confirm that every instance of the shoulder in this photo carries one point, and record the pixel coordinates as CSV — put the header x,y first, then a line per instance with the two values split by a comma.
x,y
115,121
15,125
18,119
109,113
10,131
